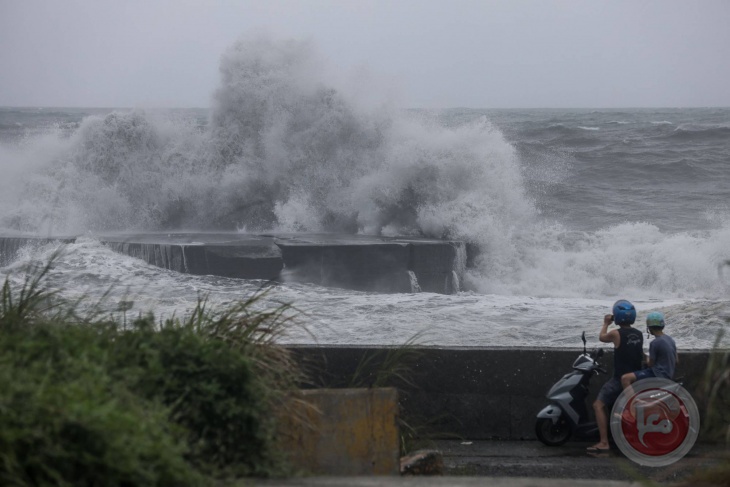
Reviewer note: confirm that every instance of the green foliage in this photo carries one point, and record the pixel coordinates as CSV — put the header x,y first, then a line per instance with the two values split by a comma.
x,y
715,393
31,303
211,389
64,421
715,390
391,367
97,402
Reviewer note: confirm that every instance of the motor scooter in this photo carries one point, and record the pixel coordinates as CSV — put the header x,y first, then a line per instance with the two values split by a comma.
x,y
567,415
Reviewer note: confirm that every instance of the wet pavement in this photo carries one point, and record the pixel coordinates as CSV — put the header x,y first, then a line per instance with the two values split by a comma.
x,y
533,459
528,464
441,482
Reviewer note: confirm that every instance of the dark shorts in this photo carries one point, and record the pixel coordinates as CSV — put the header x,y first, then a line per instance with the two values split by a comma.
x,y
644,374
610,392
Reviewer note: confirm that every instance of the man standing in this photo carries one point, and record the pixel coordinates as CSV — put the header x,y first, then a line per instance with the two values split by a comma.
x,y
628,354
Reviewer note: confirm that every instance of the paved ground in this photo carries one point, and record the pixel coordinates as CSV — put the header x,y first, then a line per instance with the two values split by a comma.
x,y
526,464
533,459
441,482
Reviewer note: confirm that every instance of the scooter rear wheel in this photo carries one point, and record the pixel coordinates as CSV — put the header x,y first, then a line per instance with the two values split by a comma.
x,y
552,434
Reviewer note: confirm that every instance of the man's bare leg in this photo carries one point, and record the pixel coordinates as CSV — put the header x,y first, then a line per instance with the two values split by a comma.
x,y
626,382
602,421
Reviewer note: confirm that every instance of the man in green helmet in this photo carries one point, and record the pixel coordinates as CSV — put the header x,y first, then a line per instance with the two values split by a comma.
x,y
662,358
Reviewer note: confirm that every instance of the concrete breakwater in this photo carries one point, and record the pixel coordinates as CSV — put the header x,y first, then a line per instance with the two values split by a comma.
x,y
472,393
363,263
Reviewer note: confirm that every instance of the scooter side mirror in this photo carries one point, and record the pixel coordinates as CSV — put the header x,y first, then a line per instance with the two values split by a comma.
x,y
583,337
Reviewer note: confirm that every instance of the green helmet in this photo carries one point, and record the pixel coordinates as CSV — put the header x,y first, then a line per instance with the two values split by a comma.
x,y
655,320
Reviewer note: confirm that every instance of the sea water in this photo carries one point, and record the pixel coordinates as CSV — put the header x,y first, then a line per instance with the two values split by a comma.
x,y
569,210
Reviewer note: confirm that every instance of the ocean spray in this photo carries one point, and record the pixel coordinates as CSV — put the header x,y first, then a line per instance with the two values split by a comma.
x,y
287,149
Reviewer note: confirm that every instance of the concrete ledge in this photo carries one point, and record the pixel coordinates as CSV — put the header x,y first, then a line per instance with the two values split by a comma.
x,y
359,262
253,257
474,393
343,432
359,266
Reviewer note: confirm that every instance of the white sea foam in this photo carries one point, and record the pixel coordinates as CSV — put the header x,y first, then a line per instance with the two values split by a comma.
x,y
590,128
286,149
335,316
629,259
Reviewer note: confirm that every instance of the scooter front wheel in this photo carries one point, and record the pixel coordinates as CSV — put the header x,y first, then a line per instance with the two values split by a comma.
x,y
553,434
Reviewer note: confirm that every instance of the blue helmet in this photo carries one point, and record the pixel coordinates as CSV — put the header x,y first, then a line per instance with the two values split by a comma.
x,y
624,313
655,320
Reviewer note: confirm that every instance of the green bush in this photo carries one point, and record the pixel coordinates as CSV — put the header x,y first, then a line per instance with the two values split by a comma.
x,y
97,402
65,421
211,389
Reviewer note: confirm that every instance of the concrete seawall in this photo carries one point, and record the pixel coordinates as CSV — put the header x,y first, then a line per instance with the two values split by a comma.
x,y
363,263
473,393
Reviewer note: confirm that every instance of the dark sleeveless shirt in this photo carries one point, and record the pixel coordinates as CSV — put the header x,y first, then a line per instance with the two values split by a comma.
x,y
629,354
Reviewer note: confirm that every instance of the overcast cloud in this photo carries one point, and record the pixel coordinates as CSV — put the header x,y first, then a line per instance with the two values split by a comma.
x,y
482,54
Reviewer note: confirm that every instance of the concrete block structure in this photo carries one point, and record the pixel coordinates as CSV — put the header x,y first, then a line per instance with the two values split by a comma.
x,y
359,262
345,432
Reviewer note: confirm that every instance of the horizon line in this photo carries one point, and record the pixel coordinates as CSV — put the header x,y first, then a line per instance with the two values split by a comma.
x,y
459,107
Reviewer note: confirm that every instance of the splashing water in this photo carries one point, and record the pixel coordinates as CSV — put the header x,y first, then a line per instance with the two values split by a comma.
x,y
284,149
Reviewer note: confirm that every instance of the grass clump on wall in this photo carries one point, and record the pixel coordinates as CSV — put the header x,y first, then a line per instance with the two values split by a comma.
x,y
89,401
714,391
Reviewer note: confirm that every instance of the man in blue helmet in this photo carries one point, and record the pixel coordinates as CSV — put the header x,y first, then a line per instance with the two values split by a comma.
x,y
662,353
628,354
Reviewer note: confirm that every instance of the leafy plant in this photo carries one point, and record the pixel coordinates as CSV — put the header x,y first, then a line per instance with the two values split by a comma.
x,y
91,401
65,421
218,390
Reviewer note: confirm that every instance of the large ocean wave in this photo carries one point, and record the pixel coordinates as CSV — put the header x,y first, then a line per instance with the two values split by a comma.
x,y
288,149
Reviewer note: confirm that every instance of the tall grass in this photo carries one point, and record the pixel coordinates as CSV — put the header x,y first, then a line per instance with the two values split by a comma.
x,y
714,390
390,367
88,400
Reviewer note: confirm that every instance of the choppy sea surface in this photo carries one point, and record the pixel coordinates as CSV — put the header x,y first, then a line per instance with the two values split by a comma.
x,y
571,209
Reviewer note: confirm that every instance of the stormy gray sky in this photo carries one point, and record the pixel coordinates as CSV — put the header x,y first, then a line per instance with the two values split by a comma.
x,y
435,53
